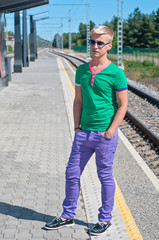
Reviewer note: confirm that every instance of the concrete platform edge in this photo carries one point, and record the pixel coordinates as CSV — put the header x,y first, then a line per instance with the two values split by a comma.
x,y
140,161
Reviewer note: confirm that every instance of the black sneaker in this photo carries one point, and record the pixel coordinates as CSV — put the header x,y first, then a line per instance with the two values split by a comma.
x,y
99,228
59,223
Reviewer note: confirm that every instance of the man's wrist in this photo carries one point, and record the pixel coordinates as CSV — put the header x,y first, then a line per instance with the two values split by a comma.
x,y
108,134
77,128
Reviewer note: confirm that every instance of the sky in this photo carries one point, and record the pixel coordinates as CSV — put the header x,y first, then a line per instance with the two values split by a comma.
x,y
100,11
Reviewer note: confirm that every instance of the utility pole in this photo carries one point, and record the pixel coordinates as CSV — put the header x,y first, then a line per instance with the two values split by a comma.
x,y
120,34
62,34
87,5
56,41
88,29
70,39
59,41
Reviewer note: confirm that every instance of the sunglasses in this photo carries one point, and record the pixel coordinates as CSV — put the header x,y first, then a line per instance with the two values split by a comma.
x,y
100,44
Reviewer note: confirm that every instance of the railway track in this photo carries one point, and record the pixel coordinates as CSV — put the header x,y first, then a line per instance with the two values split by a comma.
x,y
141,123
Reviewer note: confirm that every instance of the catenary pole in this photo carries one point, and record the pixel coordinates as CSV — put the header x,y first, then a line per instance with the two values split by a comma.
x,y
62,34
88,29
88,20
120,34
70,39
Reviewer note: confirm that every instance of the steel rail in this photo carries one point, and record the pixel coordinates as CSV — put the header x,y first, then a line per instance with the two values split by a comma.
x,y
143,94
152,136
143,128
67,55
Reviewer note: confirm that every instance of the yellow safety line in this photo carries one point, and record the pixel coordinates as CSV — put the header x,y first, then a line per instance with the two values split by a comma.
x,y
127,218
69,81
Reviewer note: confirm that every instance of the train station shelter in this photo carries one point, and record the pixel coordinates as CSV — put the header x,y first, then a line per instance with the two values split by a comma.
x,y
8,6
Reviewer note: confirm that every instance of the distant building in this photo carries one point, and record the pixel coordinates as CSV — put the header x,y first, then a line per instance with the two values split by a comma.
x,y
9,42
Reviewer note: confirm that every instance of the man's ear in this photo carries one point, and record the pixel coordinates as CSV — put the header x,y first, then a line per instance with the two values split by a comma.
x,y
109,46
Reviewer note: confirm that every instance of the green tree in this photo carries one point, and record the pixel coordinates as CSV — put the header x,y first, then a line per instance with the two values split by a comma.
x,y
10,33
156,26
148,31
10,49
65,40
57,37
42,42
132,30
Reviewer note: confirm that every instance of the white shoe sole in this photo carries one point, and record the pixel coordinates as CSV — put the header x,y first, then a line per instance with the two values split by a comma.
x,y
59,227
99,234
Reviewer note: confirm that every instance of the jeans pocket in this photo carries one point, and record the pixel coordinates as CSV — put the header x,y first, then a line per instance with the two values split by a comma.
x,y
108,139
77,133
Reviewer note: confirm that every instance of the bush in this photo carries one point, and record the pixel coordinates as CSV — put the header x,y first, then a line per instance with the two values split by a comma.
x,y
155,72
132,64
10,49
148,63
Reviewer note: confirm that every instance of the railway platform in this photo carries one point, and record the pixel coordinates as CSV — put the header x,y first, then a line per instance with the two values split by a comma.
x,y
36,125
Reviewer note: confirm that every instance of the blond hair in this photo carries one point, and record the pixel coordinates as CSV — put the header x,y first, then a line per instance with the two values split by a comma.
x,y
103,30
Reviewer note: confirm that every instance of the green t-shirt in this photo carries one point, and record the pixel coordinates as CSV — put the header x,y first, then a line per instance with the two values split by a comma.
x,y
99,95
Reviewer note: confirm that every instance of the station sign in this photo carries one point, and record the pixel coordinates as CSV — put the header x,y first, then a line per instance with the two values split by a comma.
x,y
9,6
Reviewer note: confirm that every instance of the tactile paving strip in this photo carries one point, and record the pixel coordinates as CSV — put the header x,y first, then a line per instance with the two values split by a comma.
x,y
91,189
90,185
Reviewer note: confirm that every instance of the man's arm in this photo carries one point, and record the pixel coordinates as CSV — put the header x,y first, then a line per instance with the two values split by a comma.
x,y
122,100
77,107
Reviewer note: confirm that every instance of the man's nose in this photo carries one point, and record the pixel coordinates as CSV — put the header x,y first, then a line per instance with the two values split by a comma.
x,y
96,45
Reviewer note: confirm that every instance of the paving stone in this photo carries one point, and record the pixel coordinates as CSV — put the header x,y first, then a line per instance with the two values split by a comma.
x,y
25,232
51,235
38,238
67,237
82,235
9,238
1,235
34,121
8,233
36,234
25,225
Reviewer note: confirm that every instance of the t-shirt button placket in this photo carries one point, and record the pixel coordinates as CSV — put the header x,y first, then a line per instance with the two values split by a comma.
x,y
92,80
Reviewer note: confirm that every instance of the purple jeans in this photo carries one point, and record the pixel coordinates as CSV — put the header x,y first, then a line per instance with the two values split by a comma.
x,y
84,145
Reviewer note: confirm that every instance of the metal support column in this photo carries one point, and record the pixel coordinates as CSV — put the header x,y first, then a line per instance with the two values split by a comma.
x,y
17,45
25,40
88,29
35,40
70,39
32,42
120,34
8,68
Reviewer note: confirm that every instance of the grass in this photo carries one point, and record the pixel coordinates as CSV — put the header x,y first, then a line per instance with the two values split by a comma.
x,y
146,73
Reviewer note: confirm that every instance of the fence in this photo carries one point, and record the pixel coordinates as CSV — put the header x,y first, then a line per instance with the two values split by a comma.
x,y
130,54
80,49
137,54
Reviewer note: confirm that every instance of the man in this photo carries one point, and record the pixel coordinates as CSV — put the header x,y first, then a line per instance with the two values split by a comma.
x,y
99,107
